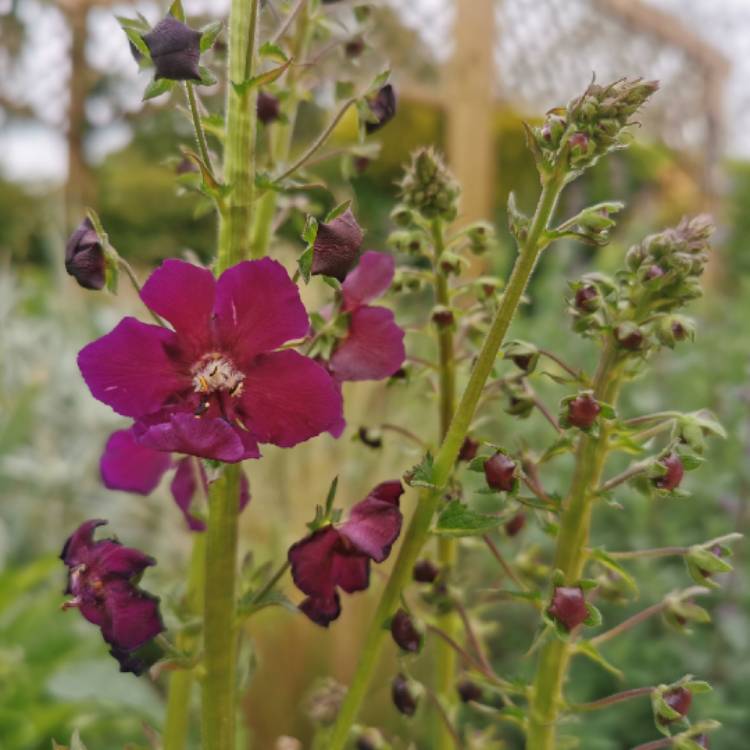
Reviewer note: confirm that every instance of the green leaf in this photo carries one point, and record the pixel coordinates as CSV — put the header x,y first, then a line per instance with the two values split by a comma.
x,y
157,87
586,649
273,52
601,556
334,213
594,618
207,77
331,495
134,35
421,475
379,81
209,35
176,10
262,79
458,520
76,743
698,686
310,232
304,263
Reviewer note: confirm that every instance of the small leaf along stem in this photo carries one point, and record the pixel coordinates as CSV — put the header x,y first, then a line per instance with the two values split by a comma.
x,y
418,530
200,135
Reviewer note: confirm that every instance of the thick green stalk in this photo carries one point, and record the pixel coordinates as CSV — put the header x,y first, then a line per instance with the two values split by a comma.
x,y
419,528
239,139
449,622
570,555
280,137
177,724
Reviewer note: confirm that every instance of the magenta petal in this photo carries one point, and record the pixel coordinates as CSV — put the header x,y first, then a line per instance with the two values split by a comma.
x,y
375,523
184,485
129,370
183,294
371,278
351,572
110,558
373,348
322,610
258,308
288,398
77,548
311,560
133,616
195,436
127,465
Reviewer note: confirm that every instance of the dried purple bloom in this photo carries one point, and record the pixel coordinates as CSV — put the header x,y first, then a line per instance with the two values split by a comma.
x,y
568,607
587,299
336,246
405,632
500,472
679,699
101,580
468,450
405,695
443,317
468,690
339,556
674,473
268,107
582,411
425,571
629,337
383,108
516,524
84,256
175,50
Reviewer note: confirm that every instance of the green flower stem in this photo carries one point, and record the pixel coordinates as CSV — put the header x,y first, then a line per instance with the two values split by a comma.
x,y
571,553
239,140
280,133
177,722
418,530
200,136
219,626
445,656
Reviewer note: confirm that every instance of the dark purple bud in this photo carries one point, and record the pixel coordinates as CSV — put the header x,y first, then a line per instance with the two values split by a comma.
x,y
568,607
587,299
370,739
629,337
371,438
579,143
500,472
268,107
468,450
443,317
468,690
516,524
175,50
583,411
84,257
678,699
383,108
674,473
336,246
654,272
354,47
405,632
425,571
404,694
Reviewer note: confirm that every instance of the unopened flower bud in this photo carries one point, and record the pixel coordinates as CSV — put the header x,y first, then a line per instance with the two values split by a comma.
x,y
371,739
523,355
336,246
568,607
175,50
429,188
520,403
405,694
629,337
673,475
552,130
468,690
371,438
582,411
654,272
268,107
516,524
354,47
481,236
679,699
500,472
450,263
443,316
84,256
580,146
587,299
425,571
383,108
405,632
468,450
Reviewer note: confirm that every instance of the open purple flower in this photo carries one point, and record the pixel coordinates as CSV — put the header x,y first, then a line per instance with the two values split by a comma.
x,y
214,387
101,579
131,467
339,556
374,345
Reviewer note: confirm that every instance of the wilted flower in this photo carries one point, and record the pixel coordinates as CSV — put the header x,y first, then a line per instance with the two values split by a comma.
x,y
405,694
581,411
84,256
469,449
268,107
336,246
175,50
338,556
214,387
674,472
131,467
373,347
101,580
405,632
425,571
383,108
679,699
500,472
568,607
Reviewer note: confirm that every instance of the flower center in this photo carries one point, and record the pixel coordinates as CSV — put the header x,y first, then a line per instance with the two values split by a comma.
x,y
215,372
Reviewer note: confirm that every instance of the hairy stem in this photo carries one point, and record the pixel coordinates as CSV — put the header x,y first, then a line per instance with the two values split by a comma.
x,y
419,527
570,555
200,136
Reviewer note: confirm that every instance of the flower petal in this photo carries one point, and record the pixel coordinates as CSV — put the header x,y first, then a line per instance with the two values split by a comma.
x,y
129,370
322,610
184,485
375,523
111,559
350,571
133,616
183,294
311,560
195,436
129,466
373,348
258,308
288,398
371,278
79,544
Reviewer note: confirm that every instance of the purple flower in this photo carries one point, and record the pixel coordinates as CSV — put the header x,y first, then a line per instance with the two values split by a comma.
x,y
175,50
268,107
383,108
568,607
336,246
131,467
101,580
339,556
213,387
374,345
84,257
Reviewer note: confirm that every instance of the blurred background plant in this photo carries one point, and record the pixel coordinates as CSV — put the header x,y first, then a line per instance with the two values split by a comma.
x,y
74,132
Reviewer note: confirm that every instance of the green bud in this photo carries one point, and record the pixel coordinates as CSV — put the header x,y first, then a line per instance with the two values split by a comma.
x,y
429,188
